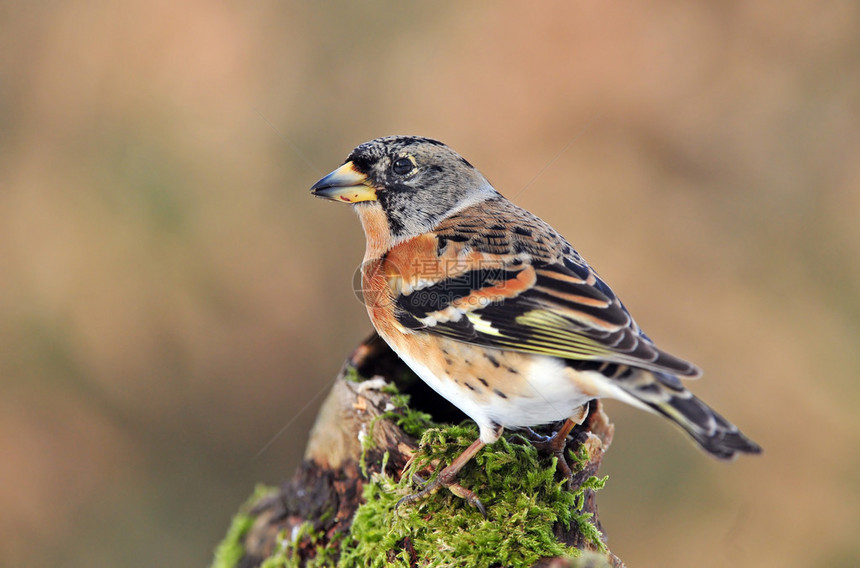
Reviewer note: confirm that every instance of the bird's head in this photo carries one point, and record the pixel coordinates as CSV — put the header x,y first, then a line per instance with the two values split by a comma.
x,y
416,181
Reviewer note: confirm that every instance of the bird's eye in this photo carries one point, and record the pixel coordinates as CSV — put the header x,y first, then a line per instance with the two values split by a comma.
x,y
402,166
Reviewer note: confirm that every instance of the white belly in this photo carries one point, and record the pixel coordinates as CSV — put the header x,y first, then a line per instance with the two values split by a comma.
x,y
456,394
545,391
548,394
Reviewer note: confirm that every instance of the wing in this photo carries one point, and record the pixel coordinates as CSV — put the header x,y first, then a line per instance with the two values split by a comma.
x,y
516,284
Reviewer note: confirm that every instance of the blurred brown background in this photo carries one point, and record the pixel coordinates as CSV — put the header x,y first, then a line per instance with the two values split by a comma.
x,y
172,296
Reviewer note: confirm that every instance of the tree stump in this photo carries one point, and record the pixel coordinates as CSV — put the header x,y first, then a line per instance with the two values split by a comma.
x,y
379,432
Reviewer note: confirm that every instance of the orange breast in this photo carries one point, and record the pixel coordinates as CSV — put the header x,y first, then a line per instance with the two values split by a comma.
x,y
378,298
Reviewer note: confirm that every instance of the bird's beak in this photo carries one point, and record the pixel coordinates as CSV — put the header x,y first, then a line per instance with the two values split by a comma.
x,y
345,184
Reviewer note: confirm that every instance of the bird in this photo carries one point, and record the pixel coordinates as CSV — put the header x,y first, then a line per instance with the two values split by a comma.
x,y
496,311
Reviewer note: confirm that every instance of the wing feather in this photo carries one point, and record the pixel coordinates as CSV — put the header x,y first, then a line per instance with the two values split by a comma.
x,y
530,291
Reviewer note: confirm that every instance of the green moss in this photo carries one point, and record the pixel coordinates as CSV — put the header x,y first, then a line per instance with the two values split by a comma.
x,y
287,549
230,550
413,422
591,560
583,520
578,460
351,374
516,485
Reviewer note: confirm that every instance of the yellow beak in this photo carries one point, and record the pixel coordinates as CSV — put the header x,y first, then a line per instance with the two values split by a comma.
x,y
345,184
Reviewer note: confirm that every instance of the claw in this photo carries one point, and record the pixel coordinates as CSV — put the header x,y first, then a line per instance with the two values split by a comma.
x,y
556,444
469,496
452,486
447,478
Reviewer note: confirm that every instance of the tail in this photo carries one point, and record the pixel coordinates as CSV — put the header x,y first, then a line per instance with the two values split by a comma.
x,y
716,435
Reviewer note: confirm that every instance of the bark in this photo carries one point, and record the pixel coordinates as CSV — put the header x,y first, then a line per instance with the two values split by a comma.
x,y
326,490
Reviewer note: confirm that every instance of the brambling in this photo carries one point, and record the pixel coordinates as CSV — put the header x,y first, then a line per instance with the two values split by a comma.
x,y
495,310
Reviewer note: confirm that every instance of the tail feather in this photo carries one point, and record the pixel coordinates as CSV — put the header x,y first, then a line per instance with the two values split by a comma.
x,y
706,426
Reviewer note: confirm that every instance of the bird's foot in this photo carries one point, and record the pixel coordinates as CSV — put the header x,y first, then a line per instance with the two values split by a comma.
x,y
553,445
556,444
448,478
429,488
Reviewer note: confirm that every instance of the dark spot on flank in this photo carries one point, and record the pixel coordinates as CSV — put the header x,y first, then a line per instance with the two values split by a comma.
x,y
512,370
483,382
470,387
448,362
493,360
500,393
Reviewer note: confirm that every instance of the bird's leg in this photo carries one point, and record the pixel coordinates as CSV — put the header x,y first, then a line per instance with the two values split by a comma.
x,y
447,477
556,443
